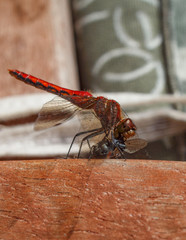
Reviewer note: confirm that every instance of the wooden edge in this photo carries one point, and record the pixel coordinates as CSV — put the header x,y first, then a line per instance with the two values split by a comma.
x,y
92,199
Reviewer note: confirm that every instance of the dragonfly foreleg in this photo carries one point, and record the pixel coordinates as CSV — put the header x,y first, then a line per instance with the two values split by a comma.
x,y
79,134
119,145
98,131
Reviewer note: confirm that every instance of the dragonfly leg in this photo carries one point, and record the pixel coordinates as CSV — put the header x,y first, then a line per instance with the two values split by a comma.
x,y
120,151
117,145
97,132
79,134
88,144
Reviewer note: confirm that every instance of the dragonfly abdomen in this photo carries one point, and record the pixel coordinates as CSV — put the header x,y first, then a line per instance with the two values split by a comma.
x,y
46,86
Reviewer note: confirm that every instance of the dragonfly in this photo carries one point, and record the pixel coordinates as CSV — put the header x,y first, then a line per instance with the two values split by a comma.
x,y
117,130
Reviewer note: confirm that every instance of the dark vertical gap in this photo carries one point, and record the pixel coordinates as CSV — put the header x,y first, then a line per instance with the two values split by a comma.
x,y
166,48
75,42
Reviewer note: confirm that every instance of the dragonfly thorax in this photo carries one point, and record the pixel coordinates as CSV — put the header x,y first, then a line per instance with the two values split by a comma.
x,y
124,129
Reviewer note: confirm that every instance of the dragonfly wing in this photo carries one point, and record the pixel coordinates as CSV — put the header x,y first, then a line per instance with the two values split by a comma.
x,y
55,112
89,121
134,145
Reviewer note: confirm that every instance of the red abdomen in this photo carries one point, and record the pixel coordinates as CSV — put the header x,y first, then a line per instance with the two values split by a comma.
x,y
46,86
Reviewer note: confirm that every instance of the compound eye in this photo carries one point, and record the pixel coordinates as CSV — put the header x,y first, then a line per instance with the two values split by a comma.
x,y
129,125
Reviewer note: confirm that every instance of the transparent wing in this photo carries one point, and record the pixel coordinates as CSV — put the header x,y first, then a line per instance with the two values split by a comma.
x,y
89,121
134,145
58,110
55,112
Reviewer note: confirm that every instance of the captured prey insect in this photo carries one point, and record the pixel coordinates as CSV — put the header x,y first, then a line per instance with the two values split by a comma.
x,y
116,127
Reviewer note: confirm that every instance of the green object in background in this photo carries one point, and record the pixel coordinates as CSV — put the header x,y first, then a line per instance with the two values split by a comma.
x,y
119,45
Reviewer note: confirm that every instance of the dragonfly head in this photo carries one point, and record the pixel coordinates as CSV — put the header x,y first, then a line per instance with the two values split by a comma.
x,y
124,129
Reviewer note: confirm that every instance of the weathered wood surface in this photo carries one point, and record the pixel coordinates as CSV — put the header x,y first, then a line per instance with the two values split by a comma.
x,y
36,37
96,199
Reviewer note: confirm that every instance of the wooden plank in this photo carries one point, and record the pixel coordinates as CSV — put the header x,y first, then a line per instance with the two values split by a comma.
x,y
36,38
96,199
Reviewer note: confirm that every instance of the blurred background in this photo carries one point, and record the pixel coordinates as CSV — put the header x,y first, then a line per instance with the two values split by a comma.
x,y
131,51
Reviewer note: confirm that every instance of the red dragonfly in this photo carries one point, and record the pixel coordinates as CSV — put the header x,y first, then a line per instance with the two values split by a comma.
x,y
116,127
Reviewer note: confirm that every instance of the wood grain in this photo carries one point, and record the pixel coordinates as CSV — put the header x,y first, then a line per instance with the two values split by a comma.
x,y
36,37
96,199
